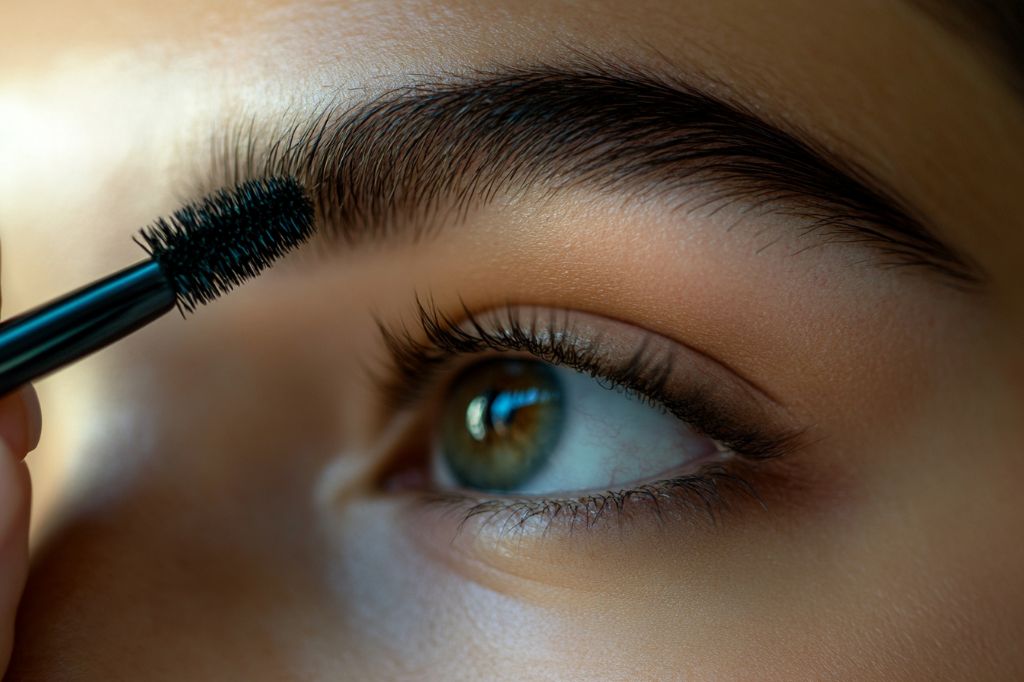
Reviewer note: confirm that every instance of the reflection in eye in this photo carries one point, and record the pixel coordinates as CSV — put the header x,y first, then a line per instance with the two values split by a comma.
x,y
523,426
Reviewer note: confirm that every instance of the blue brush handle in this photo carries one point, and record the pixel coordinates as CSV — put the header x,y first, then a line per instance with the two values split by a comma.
x,y
62,331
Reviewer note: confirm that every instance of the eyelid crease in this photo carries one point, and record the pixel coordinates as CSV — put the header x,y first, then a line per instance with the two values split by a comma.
x,y
391,166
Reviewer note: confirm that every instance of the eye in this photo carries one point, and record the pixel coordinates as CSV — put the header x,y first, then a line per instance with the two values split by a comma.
x,y
538,419
522,426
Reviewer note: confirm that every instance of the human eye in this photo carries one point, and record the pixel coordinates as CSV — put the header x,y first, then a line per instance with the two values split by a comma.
x,y
531,418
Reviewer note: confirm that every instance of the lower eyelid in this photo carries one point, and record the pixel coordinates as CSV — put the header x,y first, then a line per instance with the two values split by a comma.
x,y
546,563
532,558
704,492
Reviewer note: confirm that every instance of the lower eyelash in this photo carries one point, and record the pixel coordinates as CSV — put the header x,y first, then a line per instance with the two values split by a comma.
x,y
707,493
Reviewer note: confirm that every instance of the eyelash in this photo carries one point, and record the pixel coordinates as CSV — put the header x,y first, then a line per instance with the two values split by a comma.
x,y
706,492
417,359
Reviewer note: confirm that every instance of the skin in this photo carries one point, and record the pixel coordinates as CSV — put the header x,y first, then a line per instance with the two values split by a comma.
x,y
205,497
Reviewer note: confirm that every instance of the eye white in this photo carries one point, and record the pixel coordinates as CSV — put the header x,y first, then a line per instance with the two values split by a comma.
x,y
609,440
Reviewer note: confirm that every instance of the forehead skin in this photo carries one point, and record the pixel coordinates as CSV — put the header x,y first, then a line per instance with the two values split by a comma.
x,y
107,111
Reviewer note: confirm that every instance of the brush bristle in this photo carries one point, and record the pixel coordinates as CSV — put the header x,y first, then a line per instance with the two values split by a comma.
x,y
207,248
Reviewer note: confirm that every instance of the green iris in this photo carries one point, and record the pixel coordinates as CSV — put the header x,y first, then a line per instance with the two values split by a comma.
x,y
502,420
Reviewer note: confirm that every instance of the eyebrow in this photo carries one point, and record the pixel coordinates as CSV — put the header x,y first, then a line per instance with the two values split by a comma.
x,y
390,166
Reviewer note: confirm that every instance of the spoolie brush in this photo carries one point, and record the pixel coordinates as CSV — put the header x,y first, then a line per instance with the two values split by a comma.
x,y
202,251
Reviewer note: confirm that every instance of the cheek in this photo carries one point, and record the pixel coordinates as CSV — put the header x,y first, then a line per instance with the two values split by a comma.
x,y
417,605
419,615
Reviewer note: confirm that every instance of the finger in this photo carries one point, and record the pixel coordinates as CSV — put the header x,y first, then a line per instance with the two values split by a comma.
x,y
20,421
15,501
20,424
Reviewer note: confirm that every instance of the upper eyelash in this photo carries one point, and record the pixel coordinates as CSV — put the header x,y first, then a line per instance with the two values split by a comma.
x,y
416,362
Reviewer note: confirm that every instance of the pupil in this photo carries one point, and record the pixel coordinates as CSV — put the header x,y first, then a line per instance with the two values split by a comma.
x,y
502,420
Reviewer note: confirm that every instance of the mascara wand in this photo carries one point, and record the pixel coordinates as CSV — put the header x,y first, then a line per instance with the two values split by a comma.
x,y
202,251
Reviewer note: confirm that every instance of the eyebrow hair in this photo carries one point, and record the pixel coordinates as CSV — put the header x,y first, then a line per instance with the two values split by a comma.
x,y
391,165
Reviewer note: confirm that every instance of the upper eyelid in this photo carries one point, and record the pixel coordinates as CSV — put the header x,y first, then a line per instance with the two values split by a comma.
x,y
414,362
434,324
397,163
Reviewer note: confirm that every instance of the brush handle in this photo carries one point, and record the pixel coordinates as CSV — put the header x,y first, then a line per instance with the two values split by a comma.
x,y
62,331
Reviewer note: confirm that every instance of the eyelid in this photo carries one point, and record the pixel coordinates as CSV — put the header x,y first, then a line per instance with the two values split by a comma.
x,y
694,387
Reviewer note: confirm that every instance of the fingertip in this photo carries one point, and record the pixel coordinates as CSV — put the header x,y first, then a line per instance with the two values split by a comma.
x,y
20,421
33,416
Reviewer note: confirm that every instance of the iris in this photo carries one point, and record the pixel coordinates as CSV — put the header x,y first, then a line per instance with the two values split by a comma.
x,y
501,422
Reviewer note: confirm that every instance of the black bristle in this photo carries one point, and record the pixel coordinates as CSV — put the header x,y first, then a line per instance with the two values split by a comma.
x,y
207,248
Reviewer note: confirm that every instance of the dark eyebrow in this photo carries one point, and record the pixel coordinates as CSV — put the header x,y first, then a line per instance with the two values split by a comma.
x,y
390,166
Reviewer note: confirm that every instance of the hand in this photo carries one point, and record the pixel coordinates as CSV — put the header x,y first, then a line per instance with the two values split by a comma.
x,y
19,433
